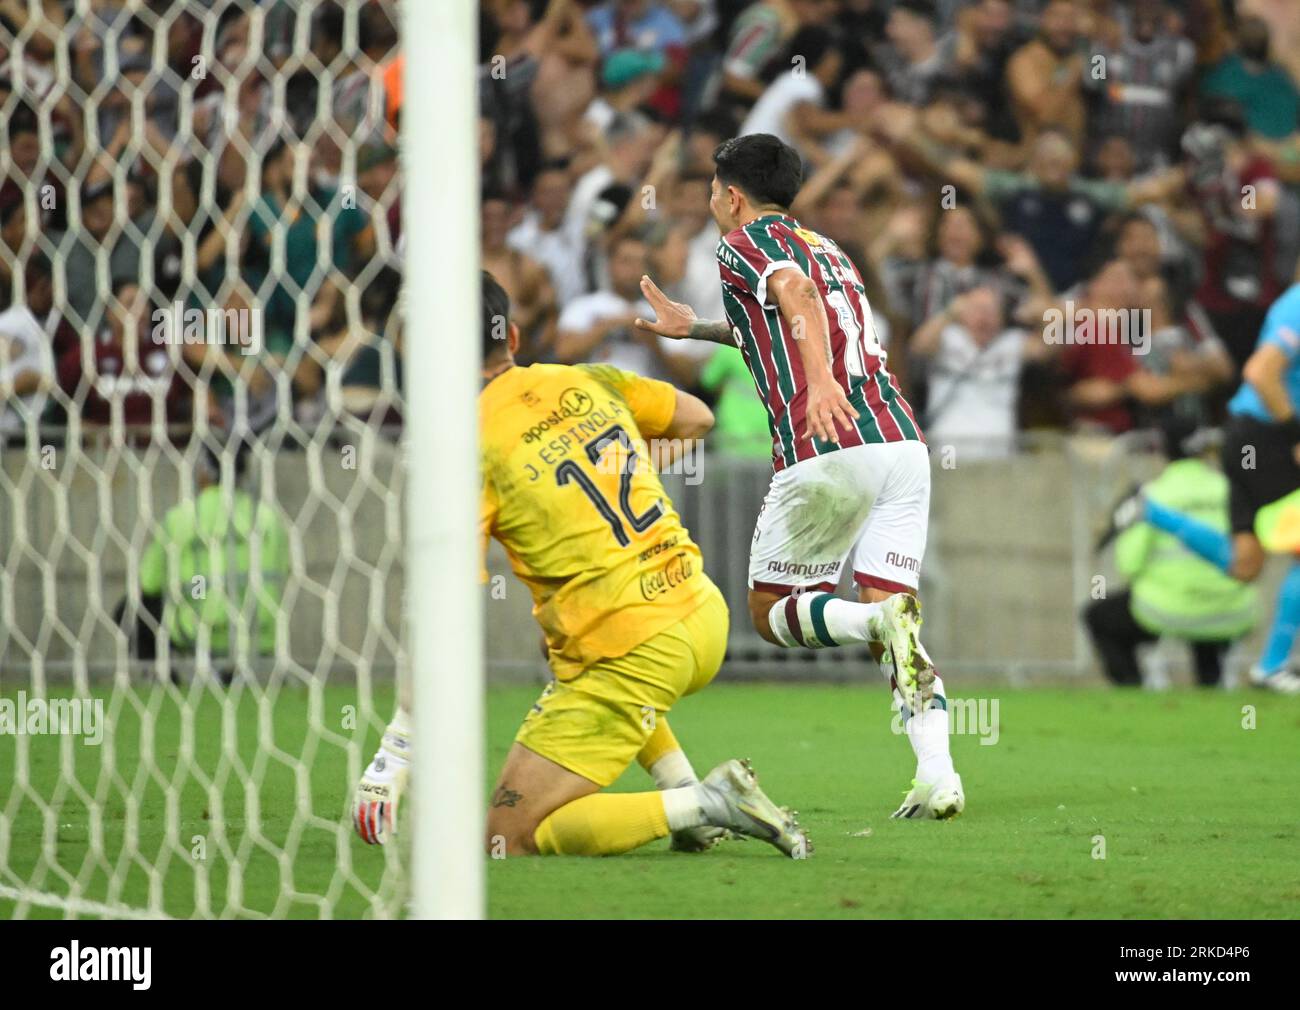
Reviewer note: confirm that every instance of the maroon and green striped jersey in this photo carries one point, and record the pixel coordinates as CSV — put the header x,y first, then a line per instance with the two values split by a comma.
x,y
747,258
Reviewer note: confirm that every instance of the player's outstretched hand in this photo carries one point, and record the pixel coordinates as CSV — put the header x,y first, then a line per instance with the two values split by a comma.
x,y
673,319
827,408
374,809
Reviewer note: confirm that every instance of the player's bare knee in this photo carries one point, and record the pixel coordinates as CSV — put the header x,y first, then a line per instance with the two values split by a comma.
x,y
760,605
509,837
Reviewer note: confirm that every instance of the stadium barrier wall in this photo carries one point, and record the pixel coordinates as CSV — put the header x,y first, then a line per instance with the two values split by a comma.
x,y
1008,567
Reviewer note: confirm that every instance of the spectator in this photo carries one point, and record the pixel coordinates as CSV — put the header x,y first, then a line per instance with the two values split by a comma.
x,y
915,58
689,210
598,326
26,355
957,242
1263,89
13,232
1057,211
1183,339
1045,76
541,233
80,254
131,376
1234,193
1105,341
532,298
649,26
630,144
1144,87
973,362
987,37
755,48
537,80
793,107
362,366
300,221
630,77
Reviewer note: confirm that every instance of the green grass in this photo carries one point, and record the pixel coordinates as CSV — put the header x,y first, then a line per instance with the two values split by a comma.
x,y
1198,814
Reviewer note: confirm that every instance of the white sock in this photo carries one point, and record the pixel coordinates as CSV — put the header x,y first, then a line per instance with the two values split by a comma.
x,y
927,731
816,620
673,770
684,807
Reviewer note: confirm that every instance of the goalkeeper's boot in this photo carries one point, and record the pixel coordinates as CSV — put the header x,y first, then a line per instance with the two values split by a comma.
x,y
1282,681
374,812
699,839
732,799
933,800
898,626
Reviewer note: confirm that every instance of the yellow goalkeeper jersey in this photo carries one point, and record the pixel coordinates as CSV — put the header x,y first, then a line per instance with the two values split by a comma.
x,y
569,492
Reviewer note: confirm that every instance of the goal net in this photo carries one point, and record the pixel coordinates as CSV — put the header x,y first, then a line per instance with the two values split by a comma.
x,y
201,476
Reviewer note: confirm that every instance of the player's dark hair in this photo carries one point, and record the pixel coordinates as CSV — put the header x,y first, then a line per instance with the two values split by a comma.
x,y
766,170
496,316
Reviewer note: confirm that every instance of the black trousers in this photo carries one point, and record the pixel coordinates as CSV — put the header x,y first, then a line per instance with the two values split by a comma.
x,y
1117,635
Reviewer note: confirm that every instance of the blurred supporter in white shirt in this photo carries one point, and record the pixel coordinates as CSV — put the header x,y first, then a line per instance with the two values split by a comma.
x,y
973,361
689,209
597,327
26,357
542,235
793,106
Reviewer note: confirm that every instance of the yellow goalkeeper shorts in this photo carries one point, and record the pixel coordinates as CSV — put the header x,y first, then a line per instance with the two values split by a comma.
x,y
597,723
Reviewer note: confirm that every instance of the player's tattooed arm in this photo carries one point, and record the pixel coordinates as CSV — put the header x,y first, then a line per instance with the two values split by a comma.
x,y
506,797
679,321
713,330
800,303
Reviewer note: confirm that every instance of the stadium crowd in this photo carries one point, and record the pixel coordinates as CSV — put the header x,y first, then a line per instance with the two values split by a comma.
x,y
989,165
198,214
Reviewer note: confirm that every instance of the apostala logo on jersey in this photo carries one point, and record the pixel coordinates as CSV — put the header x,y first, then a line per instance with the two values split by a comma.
x,y
573,402
811,237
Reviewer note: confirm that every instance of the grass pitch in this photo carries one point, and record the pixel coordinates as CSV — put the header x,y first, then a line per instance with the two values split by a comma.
x,y
1195,814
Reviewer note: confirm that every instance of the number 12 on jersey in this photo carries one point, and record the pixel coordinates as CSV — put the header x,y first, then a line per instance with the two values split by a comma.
x,y
570,472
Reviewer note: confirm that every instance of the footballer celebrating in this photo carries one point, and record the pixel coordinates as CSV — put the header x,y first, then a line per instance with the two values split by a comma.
x,y
631,621
851,478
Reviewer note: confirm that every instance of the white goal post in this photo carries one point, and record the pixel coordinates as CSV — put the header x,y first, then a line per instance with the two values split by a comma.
x,y
442,304
223,560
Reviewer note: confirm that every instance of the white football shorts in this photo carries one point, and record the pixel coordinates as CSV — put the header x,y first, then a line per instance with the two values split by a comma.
x,y
867,503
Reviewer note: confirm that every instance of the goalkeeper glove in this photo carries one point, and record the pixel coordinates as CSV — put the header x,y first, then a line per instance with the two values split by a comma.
x,y
374,813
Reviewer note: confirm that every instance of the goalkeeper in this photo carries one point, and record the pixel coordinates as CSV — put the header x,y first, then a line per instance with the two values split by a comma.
x,y
632,623
215,570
